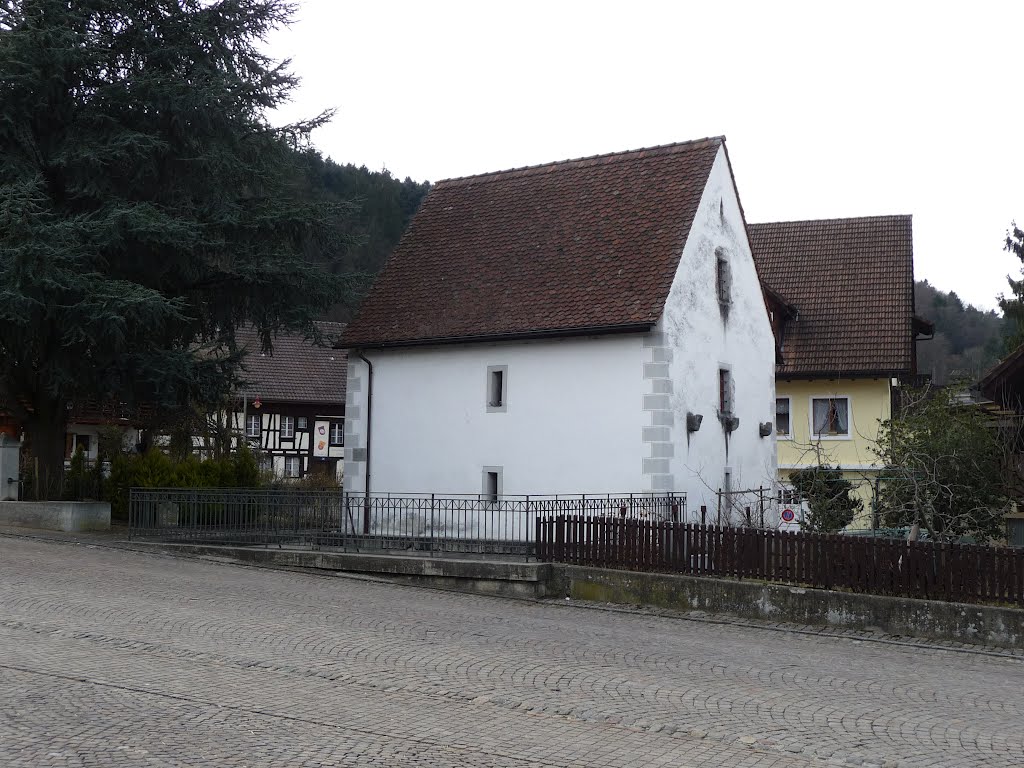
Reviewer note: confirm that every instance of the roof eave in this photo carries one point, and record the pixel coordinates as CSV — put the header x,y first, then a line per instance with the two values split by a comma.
x,y
557,333
840,374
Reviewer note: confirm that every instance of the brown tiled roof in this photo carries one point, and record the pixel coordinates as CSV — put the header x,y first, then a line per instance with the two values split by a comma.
x,y
297,371
852,284
576,246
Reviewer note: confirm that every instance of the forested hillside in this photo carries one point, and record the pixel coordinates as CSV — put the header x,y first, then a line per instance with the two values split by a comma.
x,y
967,340
380,208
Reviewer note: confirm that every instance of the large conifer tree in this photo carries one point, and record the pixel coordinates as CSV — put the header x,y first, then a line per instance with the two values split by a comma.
x,y
147,205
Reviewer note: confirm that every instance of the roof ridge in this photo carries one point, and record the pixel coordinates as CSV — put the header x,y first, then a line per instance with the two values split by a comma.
x,y
842,219
606,158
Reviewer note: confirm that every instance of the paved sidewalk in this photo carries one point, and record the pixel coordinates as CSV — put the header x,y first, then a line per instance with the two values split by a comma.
x,y
113,657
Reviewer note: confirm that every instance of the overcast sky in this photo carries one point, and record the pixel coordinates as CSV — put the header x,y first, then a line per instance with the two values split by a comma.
x,y
829,109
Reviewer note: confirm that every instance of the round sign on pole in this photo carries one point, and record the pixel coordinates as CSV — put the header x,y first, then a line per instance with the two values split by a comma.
x,y
788,516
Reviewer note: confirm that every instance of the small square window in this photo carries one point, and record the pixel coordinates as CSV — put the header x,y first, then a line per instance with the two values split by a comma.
x,y
782,416
301,423
724,391
831,416
287,426
252,425
292,466
337,433
497,388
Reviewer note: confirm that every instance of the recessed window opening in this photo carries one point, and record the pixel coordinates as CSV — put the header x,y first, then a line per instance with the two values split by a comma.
x,y
724,391
497,388
722,278
497,397
491,492
302,423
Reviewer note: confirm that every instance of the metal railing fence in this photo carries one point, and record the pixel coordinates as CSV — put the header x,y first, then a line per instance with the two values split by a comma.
x,y
334,518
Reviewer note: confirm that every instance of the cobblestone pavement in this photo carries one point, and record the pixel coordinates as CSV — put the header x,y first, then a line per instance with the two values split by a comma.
x,y
119,658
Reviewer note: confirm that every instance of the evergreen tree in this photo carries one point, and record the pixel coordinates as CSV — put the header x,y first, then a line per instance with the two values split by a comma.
x,y
147,205
830,500
1013,308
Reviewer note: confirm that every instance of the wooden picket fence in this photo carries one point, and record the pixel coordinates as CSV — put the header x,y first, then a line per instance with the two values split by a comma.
x,y
934,571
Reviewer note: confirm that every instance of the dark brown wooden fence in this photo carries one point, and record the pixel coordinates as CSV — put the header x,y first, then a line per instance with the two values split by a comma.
x,y
952,572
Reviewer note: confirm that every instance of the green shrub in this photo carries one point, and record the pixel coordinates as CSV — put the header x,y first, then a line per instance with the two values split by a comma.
x,y
155,469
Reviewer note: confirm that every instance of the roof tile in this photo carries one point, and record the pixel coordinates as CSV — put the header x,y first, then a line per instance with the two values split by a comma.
x,y
566,247
852,282
296,371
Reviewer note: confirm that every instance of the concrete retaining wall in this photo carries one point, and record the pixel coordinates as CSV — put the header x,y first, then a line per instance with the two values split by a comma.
x,y
56,515
754,600
485,577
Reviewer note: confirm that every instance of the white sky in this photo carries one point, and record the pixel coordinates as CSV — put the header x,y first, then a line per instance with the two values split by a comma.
x,y
829,109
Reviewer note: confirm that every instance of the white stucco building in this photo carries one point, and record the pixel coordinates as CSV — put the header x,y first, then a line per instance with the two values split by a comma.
x,y
563,329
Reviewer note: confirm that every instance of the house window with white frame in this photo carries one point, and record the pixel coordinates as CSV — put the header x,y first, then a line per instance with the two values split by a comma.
x,y
337,433
292,466
302,423
830,416
782,417
287,426
252,425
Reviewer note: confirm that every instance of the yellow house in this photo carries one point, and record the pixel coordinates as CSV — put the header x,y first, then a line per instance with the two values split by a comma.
x,y
841,295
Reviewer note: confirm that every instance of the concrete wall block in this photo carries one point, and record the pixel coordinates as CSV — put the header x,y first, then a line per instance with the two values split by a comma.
x,y
656,402
662,418
665,483
656,371
57,515
661,386
661,355
662,450
656,434
655,467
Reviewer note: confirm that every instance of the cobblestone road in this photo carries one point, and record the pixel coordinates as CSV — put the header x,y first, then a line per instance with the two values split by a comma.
x,y
118,658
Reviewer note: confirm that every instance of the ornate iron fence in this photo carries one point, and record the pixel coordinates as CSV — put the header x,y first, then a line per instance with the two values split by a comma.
x,y
333,518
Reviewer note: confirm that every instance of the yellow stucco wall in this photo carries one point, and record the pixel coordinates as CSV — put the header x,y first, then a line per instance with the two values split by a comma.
x,y
870,403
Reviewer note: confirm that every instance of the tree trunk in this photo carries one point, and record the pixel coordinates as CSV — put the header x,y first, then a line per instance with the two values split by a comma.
x,y
46,435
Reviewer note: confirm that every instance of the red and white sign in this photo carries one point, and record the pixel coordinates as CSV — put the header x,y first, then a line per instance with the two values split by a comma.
x,y
788,516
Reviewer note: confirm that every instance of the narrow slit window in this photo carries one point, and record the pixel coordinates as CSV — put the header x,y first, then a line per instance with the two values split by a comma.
x,y
722,280
497,388
491,486
724,391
